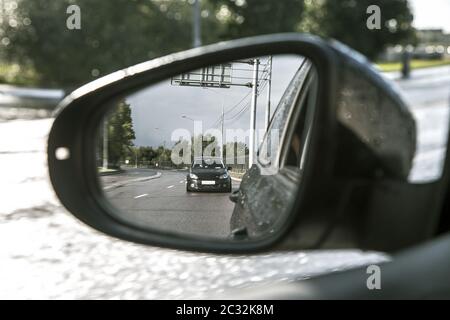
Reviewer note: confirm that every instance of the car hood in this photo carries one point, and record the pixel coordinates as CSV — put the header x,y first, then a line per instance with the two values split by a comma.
x,y
208,172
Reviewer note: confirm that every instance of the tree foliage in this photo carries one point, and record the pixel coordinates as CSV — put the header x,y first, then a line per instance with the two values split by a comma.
x,y
113,35
118,33
120,133
256,17
345,20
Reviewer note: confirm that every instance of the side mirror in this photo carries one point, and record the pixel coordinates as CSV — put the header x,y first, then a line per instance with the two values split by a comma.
x,y
322,135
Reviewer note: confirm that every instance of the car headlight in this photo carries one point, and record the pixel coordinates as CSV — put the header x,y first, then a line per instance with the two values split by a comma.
x,y
224,176
193,176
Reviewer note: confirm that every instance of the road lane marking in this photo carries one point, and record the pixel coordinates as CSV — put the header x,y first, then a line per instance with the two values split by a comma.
x,y
181,181
124,183
142,195
170,186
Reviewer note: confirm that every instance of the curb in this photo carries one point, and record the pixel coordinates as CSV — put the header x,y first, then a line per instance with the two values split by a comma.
x,y
110,173
122,183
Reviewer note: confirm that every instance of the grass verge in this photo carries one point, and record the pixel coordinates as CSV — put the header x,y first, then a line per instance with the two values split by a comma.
x,y
415,64
15,74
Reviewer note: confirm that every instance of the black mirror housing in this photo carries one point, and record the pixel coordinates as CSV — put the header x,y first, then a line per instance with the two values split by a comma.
x,y
351,157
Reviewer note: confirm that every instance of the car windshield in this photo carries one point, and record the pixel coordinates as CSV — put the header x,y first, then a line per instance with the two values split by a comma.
x,y
208,164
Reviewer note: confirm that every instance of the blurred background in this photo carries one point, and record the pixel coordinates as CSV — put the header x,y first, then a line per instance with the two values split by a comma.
x,y
37,49
46,253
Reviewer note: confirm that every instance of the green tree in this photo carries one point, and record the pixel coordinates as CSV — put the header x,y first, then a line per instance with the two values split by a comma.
x,y
253,17
119,33
147,153
345,20
114,34
162,154
120,134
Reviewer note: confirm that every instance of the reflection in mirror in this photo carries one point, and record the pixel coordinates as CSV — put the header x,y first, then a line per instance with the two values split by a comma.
x,y
182,155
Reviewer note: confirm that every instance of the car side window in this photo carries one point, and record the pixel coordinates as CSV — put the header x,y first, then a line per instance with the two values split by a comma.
x,y
298,138
270,148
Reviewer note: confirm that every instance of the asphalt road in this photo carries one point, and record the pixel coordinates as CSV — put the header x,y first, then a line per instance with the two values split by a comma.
x,y
159,200
425,87
45,253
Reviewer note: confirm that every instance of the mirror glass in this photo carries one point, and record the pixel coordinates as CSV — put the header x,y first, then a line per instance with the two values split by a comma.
x,y
215,153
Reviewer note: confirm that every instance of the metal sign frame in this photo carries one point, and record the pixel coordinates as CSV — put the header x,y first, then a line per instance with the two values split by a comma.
x,y
218,76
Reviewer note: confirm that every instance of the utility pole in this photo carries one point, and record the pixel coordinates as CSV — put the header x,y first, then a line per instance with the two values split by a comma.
x,y
406,64
196,24
136,158
269,89
223,142
105,144
253,113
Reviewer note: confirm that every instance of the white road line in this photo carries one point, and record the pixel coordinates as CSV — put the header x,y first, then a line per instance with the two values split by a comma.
x,y
142,195
181,181
170,186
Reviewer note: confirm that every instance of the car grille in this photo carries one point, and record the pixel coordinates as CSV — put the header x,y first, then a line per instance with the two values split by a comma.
x,y
204,176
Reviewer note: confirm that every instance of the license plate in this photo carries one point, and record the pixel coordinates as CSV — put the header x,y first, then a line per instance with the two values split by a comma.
x,y
206,182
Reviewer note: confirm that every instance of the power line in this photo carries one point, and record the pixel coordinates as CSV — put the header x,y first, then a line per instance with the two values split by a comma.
x,y
265,70
231,109
242,111
246,106
262,83
239,114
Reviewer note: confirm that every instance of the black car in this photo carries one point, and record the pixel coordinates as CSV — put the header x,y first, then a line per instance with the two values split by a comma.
x,y
208,174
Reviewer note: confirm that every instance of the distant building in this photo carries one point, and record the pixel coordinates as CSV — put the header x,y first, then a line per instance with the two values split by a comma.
x,y
433,36
432,44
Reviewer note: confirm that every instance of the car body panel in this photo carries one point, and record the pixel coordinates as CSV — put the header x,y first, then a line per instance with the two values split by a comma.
x,y
208,177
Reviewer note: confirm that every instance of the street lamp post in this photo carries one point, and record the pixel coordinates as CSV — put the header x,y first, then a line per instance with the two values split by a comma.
x,y
269,89
189,118
193,140
222,121
186,117
223,141
252,137
105,144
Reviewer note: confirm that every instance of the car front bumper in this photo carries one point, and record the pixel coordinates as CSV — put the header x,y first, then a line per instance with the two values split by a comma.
x,y
219,185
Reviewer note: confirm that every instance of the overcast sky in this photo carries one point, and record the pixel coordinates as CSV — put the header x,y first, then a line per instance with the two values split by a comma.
x,y
431,14
158,111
